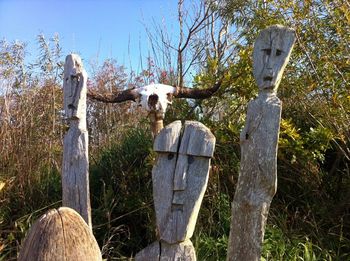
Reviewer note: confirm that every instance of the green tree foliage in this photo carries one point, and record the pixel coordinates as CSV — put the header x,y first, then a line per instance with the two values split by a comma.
x,y
314,143
121,189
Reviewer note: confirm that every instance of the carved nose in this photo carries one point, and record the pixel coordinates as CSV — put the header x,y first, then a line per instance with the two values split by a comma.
x,y
152,101
181,173
269,64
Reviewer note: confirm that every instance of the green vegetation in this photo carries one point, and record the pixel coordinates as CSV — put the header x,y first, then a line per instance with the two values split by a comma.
x,y
310,214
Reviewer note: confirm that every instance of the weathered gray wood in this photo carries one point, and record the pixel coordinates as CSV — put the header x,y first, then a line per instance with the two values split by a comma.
x,y
162,251
257,182
150,253
179,223
60,235
75,166
179,182
169,140
180,177
74,89
271,54
197,140
181,251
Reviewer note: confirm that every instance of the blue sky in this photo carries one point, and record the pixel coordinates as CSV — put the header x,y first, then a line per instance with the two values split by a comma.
x,y
95,29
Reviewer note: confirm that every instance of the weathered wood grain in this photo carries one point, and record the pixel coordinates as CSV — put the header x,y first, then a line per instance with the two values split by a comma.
x,y
150,253
168,141
75,165
180,176
197,140
180,180
257,182
60,235
162,251
179,223
272,50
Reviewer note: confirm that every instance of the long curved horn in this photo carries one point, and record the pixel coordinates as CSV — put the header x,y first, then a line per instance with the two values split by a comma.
x,y
194,93
133,94
126,95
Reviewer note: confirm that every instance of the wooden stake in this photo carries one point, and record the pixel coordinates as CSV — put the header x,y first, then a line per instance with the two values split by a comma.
x,y
75,167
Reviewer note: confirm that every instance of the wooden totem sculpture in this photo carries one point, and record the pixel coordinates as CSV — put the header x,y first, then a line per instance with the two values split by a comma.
x,y
257,182
180,177
75,166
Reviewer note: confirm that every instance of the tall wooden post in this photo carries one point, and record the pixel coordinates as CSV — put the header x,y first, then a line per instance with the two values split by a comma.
x,y
75,167
156,119
257,182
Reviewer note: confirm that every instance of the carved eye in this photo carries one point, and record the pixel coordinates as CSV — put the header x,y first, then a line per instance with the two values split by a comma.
x,y
278,52
267,51
190,159
170,156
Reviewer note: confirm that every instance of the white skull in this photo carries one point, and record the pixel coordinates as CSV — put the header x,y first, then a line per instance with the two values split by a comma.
x,y
155,97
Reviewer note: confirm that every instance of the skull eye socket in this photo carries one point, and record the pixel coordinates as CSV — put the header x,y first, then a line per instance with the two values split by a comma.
x,y
153,100
278,52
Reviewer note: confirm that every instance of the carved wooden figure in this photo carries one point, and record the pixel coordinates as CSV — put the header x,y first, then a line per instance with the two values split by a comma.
x,y
257,182
60,235
179,177
75,167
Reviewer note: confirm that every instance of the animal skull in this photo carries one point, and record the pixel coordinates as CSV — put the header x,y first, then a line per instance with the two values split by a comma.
x,y
156,97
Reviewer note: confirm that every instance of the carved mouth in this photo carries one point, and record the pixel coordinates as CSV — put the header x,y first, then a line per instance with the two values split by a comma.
x,y
268,78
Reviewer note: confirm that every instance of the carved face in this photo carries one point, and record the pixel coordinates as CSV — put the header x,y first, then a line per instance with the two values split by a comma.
x,y
156,97
271,54
180,177
74,86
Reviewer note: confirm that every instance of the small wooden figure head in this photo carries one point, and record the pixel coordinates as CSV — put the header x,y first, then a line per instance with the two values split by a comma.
x,y
271,53
58,235
74,88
